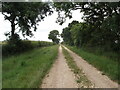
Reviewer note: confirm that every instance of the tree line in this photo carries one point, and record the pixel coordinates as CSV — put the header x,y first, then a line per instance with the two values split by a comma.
x,y
100,28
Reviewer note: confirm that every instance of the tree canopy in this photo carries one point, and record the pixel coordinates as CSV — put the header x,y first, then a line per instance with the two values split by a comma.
x,y
101,26
25,15
54,36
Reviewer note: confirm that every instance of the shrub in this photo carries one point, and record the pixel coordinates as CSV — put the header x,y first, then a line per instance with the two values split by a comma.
x,y
15,48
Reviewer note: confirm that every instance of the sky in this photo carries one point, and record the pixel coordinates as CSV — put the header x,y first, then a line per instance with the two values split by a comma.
x,y
44,27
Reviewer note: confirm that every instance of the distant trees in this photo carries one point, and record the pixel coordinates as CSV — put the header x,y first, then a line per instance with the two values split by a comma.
x,y
54,36
101,26
67,34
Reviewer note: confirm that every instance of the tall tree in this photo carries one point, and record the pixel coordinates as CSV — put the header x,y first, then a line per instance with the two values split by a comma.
x,y
54,36
100,17
66,35
25,15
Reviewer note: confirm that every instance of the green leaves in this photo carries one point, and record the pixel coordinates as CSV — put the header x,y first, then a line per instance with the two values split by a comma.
x,y
26,15
101,26
54,36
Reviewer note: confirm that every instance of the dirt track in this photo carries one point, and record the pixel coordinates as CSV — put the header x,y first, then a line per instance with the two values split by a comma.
x,y
60,76
95,76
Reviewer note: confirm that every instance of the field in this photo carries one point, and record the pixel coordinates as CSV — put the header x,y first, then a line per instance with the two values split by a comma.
x,y
28,69
102,63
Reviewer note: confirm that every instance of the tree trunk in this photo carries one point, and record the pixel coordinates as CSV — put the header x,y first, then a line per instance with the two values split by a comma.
x,y
12,28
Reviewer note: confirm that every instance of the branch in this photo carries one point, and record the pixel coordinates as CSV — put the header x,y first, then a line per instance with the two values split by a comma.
x,y
16,23
17,27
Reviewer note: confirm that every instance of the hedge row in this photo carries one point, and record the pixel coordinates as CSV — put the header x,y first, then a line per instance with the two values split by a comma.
x,y
22,46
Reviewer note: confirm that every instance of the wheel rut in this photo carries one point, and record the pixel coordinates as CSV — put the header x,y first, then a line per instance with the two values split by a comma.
x,y
60,75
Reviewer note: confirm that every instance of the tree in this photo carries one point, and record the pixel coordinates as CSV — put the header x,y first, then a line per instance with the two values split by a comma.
x,y
102,20
54,36
25,15
67,34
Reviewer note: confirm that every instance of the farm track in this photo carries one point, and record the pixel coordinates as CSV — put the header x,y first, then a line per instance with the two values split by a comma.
x,y
60,76
94,75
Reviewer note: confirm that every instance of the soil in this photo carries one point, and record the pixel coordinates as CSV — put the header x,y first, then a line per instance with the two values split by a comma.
x,y
60,76
94,75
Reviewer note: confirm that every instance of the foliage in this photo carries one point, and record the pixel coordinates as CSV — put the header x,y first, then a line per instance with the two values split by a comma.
x,y
20,46
98,34
76,34
28,69
100,27
25,15
66,35
42,43
54,36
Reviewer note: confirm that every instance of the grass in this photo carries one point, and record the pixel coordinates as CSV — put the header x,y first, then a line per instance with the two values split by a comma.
x,y
42,43
27,70
81,79
108,66
10,48
100,51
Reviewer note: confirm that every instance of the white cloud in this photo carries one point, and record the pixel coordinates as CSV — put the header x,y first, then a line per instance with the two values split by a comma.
x,y
44,27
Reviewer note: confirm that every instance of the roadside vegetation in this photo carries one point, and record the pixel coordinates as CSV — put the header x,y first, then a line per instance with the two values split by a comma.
x,y
81,79
14,48
108,66
29,68
97,38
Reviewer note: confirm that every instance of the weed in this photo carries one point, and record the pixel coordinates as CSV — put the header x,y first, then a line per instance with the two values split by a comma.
x,y
81,79
108,66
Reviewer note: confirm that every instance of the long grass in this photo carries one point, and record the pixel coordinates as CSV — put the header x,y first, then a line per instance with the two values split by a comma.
x,y
108,66
28,69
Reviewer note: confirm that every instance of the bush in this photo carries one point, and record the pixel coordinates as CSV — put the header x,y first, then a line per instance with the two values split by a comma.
x,y
15,45
15,48
42,43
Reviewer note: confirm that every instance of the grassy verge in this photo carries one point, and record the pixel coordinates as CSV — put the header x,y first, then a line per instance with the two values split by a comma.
x,y
81,79
28,69
20,46
104,64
